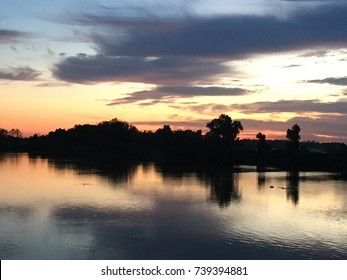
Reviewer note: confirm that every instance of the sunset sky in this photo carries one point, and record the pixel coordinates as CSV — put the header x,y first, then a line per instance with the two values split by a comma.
x,y
268,63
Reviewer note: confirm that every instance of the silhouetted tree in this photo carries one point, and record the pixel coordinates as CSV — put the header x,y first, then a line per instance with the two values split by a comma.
x,y
118,125
15,132
293,136
166,130
3,132
225,128
261,141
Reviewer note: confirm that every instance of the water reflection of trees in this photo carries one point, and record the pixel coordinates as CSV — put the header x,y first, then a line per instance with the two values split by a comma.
x,y
222,182
261,180
292,180
224,188
114,171
293,186
261,171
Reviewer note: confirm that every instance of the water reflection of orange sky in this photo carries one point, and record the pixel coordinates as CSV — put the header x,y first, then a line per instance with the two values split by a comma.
x,y
33,180
269,210
39,184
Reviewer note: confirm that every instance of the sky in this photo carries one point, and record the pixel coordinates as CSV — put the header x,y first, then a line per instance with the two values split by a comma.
x,y
267,63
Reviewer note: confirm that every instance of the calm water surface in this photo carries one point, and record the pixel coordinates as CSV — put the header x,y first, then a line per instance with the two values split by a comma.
x,y
68,210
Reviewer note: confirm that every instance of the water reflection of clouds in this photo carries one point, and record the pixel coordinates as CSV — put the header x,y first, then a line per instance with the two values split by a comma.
x,y
16,210
9,214
170,230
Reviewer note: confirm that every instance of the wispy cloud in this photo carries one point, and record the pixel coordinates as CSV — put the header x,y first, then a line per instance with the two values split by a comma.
x,y
292,66
317,53
19,74
333,127
165,93
53,84
282,106
294,106
341,81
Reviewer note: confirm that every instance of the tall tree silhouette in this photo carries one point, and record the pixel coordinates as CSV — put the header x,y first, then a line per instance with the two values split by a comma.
x,y
293,135
225,128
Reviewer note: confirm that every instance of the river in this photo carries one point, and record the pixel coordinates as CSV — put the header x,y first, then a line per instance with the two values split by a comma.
x,y
55,209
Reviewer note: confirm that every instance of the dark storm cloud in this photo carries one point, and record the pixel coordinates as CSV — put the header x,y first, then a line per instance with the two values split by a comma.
x,y
7,36
19,74
342,81
184,46
162,93
85,69
228,36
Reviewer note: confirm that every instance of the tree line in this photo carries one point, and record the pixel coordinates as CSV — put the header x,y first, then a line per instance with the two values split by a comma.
x,y
220,145
14,132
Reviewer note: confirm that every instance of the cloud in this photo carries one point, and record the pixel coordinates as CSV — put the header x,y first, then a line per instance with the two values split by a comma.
x,y
164,93
53,84
330,120
294,106
329,1
19,74
86,69
196,124
50,52
9,36
230,36
292,66
189,48
282,106
325,127
318,53
203,91
342,81
332,128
